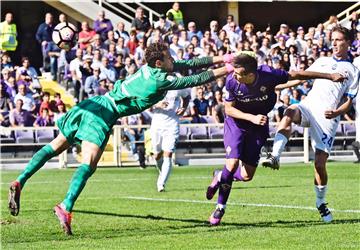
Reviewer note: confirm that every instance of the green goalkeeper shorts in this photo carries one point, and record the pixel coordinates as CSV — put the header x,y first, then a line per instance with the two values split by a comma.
x,y
91,120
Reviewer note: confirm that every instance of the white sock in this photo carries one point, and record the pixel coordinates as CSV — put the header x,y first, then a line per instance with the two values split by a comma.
x,y
280,141
165,171
320,194
221,206
159,163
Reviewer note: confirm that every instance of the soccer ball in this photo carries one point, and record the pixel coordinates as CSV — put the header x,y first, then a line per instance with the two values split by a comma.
x,y
64,35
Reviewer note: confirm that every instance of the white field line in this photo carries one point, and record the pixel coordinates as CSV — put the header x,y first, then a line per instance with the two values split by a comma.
x,y
201,202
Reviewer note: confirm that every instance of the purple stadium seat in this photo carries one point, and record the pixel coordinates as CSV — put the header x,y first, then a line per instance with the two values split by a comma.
x,y
24,136
214,132
45,135
183,133
339,130
198,133
297,130
349,129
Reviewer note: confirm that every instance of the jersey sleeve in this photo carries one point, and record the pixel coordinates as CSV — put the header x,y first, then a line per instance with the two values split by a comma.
x,y
353,86
229,93
280,76
173,82
193,64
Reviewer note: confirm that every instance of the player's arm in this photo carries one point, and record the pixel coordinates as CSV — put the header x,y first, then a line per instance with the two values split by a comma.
x,y
342,109
230,110
202,62
307,75
173,82
289,84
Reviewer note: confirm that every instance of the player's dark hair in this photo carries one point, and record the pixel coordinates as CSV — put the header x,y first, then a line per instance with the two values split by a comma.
x,y
154,52
346,32
247,62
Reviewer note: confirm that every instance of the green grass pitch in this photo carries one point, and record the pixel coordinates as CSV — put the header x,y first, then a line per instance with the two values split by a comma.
x,y
121,209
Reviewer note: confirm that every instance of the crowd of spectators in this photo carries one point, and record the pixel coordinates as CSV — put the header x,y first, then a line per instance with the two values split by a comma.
x,y
106,53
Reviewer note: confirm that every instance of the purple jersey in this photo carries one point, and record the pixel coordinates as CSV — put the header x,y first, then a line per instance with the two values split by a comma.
x,y
259,97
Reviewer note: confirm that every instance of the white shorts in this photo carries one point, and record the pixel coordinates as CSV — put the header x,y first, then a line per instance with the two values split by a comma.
x,y
164,139
322,131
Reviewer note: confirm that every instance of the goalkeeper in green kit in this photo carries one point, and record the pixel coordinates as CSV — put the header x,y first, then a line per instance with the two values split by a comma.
x,y
91,121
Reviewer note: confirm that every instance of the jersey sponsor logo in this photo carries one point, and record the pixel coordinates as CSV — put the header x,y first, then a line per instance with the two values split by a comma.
x,y
170,78
255,99
239,93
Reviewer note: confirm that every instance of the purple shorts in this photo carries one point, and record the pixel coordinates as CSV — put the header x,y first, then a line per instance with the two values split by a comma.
x,y
244,142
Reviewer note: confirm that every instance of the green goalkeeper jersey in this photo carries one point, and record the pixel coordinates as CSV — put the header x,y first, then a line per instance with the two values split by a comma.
x,y
150,85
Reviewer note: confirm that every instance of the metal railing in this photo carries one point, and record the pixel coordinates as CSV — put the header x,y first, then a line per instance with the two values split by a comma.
x,y
345,15
119,155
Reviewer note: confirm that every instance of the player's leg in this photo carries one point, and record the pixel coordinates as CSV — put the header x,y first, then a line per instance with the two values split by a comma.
x,y
156,146
91,154
245,172
320,182
47,152
169,138
226,180
292,114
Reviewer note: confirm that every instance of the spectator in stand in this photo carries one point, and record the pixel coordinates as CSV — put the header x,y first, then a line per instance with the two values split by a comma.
x,y
6,104
139,55
44,37
295,96
283,31
53,53
62,18
121,32
300,38
174,46
110,39
102,25
25,79
28,102
233,36
265,46
8,34
31,72
141,24
20,117
214,28
125,70
111,54
207,40
319,31
96,61
121,48
118,65
102,89
6,61
218,109
44,120
248,32
192,31
310,34
107,71
86,35
354,23
201,105
60,111
76,74
92,82
133,43
332,22
183,39
98,44
176,13
45,104
86,69
226,27
9,83
155,37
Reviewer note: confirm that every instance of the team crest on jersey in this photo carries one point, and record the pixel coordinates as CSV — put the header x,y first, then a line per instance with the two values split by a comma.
x,y
228,150
334,66
263,89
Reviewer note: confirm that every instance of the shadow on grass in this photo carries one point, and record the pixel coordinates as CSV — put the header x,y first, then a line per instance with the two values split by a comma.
x,y
204,223
242,187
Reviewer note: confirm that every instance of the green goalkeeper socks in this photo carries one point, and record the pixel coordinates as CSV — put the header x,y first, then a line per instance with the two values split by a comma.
x,y
36,162
77,184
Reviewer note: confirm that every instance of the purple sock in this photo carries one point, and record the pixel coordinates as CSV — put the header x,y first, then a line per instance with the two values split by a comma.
x,y
225,186
237,175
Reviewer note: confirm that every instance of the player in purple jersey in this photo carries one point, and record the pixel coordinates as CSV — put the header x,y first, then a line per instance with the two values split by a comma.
x,y
251,95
